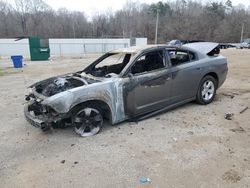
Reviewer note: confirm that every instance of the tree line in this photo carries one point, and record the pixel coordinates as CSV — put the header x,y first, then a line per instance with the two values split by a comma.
x,y
181,19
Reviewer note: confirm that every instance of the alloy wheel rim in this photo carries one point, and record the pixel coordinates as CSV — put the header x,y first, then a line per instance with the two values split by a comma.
x,y
207,90
88,122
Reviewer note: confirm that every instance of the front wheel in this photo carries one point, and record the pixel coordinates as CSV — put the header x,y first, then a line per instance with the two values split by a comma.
x,y
207,90
88,121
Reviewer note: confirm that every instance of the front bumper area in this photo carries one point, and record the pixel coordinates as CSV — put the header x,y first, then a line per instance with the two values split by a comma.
x,y
44,118
37,122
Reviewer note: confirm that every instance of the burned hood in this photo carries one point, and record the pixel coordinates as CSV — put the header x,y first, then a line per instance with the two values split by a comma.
x,y
55,85
208,48
48,80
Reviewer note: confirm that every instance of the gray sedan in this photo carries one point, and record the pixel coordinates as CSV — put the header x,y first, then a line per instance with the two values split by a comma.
x,y
129,83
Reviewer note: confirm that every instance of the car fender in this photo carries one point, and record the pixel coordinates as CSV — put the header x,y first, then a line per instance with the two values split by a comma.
x,y
109,92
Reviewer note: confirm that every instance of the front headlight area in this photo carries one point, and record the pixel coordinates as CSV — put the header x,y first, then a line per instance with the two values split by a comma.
x,y
35,106
39,110
43,110
42,114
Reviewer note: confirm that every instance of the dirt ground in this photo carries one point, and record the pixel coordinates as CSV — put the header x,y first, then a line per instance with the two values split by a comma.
x,y
190,146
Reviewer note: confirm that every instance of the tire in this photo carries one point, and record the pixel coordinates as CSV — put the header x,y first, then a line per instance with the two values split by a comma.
x,y
207,90
87,121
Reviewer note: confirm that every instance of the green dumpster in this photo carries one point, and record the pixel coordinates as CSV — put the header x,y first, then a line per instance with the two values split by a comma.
x,y
39,49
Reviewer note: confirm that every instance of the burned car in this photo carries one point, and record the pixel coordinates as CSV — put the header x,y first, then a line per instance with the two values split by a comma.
x,y
135,82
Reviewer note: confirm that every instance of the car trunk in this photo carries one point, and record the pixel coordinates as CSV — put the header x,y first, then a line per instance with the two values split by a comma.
x,y
208,48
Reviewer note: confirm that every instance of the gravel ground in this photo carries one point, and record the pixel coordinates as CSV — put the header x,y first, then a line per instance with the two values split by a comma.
x,y
190,146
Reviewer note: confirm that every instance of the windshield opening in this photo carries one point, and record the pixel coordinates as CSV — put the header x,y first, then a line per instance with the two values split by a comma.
x,y
111,65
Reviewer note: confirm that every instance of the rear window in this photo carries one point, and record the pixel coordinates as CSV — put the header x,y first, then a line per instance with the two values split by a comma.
x,y
178,57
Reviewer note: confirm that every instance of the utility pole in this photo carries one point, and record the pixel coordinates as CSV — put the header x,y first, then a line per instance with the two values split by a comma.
x,y
74,31
242,31
156,27
73,27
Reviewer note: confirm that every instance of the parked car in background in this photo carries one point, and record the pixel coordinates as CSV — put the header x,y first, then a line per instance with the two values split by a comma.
x,y
175,43
178,43
123,84
245,43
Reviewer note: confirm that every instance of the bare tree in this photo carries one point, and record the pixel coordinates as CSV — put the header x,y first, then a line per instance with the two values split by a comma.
x,y
4,12
37,10
182,19
23,8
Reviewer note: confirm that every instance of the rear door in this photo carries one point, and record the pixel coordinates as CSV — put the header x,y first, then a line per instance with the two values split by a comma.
x,y
186,74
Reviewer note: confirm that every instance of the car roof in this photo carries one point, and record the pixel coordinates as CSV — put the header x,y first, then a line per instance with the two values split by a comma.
x,y
136,49
201,47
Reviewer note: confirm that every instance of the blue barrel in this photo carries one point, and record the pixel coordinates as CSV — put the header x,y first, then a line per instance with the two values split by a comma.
x,y
17,61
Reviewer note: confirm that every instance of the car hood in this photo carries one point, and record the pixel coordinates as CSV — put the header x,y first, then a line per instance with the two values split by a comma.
x,y
58,84
203,47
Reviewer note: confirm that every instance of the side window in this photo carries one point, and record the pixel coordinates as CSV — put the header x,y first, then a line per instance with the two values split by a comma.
x,y
148,62
178,57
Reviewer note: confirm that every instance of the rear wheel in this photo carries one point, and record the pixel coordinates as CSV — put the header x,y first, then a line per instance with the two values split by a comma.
x,y
207,90
87,121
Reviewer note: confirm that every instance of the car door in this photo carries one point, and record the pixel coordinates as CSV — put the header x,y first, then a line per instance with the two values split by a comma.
x,y
148,87
186,74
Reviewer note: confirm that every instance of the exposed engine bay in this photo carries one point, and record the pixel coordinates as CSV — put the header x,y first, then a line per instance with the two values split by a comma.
x,y
60,84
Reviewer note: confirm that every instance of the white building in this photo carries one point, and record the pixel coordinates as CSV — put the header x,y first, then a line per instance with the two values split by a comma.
x,y
68,47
